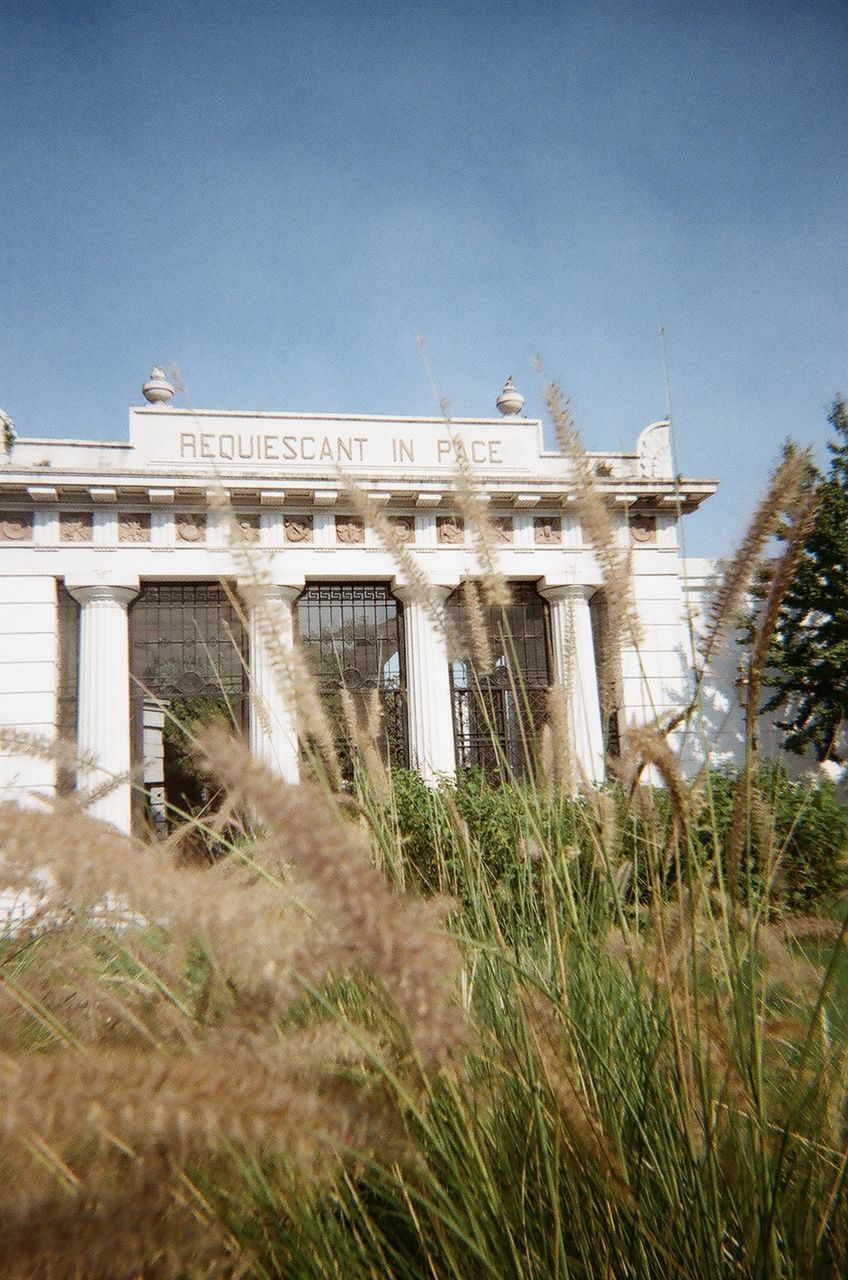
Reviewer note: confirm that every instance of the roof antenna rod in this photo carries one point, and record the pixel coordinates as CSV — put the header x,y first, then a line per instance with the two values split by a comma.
x,y
681,534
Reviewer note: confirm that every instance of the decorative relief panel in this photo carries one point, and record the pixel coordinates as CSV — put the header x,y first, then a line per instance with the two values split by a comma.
x,y
247,526
75,526
15,526
298,528
547,530
350,529
190,528
404,527
134,527
504,528
643,529
450,530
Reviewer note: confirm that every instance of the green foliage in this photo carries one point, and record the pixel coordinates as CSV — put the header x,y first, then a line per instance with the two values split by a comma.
x,y
796,842
808,656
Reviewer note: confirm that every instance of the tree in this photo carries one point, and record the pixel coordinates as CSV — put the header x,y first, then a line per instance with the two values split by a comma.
x,y
808,655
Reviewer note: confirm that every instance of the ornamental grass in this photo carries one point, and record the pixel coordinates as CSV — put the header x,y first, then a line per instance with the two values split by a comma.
x,y
489,1029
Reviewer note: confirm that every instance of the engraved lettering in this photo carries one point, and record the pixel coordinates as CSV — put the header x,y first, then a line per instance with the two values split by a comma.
x,y
307,457
188,445
271,449
326,450
361,441
227,446
442,449
289,447
478,451
206,445
495,451
345,448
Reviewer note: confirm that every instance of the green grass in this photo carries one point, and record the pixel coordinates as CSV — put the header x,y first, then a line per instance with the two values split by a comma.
x,y
653,1082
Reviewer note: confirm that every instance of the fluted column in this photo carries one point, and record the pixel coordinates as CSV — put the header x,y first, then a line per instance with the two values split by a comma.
x,y
103,723
273,734
575,669
431,741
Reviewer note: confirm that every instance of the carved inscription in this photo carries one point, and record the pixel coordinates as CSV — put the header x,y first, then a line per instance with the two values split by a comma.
x,y
333,450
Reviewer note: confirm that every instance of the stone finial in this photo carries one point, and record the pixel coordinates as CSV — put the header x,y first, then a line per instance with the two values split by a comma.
x,y
510,401
157,389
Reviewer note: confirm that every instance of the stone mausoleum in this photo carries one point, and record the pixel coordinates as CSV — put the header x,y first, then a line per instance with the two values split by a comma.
x,y
119,588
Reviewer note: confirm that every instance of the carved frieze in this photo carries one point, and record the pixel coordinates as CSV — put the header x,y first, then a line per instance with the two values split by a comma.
x,y
133,526
450,530
643,529
190,528
504,528
76,526
298,528
547,530
350,529
15,526
404,527
247,526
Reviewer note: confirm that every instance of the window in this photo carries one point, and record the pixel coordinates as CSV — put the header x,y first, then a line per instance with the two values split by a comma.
x,y
608,666
498,713
68,625
188,663
353,633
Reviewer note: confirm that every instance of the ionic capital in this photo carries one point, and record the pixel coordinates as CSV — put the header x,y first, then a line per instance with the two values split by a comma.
x,y
110,592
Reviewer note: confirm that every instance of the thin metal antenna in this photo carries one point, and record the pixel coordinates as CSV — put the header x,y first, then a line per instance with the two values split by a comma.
x,y
681,532
666,375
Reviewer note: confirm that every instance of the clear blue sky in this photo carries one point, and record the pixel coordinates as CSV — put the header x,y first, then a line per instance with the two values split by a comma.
x,y
278,197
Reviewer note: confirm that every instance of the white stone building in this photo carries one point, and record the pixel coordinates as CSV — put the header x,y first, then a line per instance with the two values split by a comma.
x,y
113,556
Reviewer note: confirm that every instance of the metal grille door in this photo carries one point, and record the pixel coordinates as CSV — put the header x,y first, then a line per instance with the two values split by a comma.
x,y
353,633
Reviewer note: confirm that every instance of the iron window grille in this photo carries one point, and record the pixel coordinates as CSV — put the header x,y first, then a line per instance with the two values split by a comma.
x,y
498,713
188,659
68,628
353,634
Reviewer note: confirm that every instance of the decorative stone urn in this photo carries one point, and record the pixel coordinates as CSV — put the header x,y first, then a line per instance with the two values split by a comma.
x,y
510,401
157,389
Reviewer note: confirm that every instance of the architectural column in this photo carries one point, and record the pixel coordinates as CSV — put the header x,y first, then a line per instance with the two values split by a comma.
x,y
575,669
273,733
103,718
431,740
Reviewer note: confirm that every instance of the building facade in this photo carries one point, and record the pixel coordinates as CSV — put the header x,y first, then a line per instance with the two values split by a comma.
x,y
124,596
